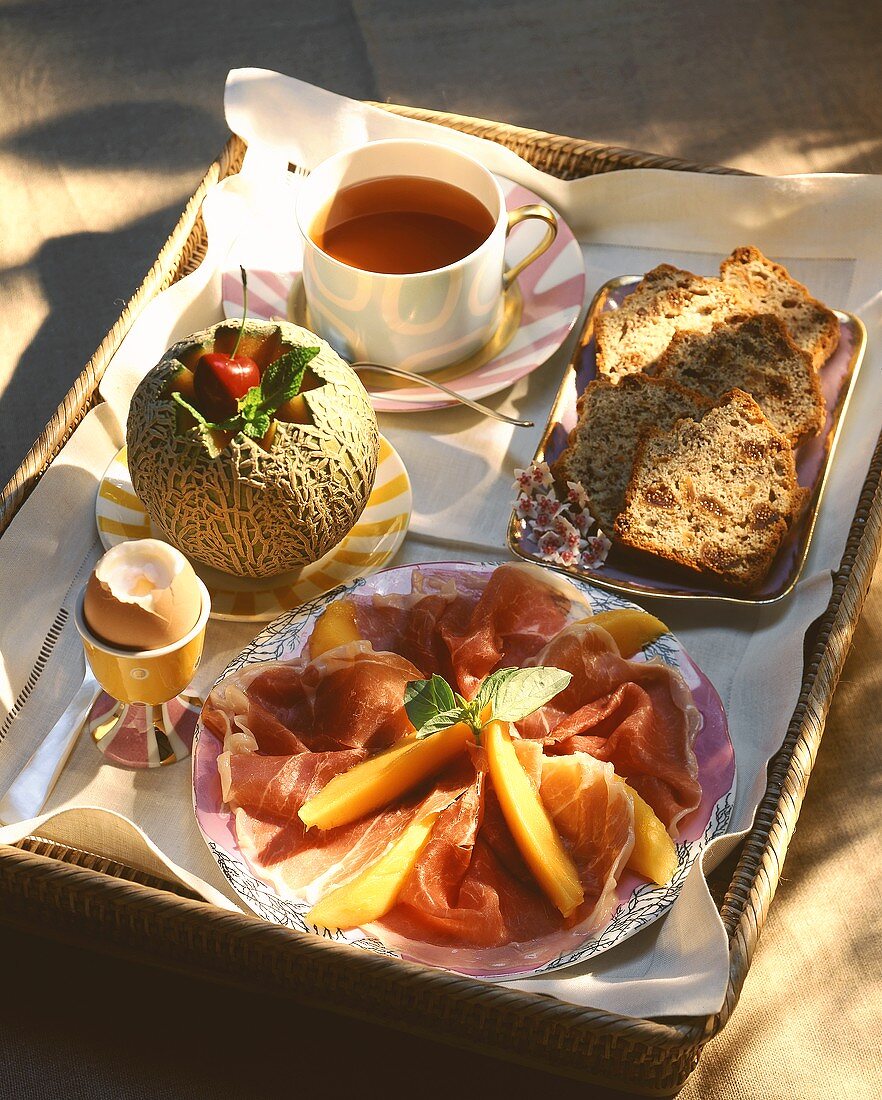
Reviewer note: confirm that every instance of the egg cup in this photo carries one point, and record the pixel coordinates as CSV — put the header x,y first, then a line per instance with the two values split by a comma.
x,y
144,717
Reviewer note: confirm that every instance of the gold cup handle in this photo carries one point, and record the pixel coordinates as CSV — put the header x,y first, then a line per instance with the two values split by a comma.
x,y
522,214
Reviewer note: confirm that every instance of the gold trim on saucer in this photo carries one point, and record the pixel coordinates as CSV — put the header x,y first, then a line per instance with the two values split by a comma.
x,y
512,312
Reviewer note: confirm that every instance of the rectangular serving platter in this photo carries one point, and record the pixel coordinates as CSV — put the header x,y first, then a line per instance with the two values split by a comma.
x,y
84,898
637,574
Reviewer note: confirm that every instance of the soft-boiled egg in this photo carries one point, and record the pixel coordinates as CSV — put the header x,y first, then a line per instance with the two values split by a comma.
x,y
142,595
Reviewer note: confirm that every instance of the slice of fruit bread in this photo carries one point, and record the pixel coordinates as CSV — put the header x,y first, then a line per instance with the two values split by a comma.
x,y
716,496
666,301
768,287
612,418
755,355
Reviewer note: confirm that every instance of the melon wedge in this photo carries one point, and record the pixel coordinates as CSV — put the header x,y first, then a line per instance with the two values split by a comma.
x,y
529,822
334,627
373,892
376,782
631,629
654,855
183,384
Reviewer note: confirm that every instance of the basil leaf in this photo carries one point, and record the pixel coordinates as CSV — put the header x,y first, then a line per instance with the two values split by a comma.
x,y
425,699
490,685
283,378
513,693
439,722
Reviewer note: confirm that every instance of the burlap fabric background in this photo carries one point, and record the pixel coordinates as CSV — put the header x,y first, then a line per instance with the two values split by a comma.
x,y
109,114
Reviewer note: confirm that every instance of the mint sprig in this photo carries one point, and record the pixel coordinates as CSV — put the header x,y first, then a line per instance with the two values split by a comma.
x,y
283,378
507,696
280,381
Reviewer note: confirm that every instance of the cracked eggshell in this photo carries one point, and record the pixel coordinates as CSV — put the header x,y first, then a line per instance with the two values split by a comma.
x,y
142,595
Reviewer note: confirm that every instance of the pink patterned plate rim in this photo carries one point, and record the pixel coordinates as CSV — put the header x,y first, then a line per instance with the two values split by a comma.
x,y
641,575
552,292
640,902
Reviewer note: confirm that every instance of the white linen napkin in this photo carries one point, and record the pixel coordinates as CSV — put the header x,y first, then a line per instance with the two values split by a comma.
x,y
627,222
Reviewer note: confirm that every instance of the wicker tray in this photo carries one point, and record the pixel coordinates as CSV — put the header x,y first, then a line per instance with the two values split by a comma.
x,y
81,897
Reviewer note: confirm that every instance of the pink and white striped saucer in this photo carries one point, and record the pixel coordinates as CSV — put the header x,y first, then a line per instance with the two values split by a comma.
x,y
540,312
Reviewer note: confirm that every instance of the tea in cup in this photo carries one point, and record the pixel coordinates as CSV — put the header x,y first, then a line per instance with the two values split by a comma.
x,y
404,253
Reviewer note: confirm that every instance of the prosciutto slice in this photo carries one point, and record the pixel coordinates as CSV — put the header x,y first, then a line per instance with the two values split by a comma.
x,y
266,790
518,612
408,623
594,814
637,715
350,697
470,887
463,625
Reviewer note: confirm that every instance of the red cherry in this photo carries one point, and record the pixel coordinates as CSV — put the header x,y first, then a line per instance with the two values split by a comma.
x,y
220,380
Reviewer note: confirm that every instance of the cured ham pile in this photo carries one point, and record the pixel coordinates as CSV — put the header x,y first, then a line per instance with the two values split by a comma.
x,y
609,761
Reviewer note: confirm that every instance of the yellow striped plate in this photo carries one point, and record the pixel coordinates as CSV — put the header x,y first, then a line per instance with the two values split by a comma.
x,y
370,545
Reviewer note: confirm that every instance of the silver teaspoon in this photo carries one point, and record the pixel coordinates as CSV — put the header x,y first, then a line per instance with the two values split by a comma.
x,y
411,376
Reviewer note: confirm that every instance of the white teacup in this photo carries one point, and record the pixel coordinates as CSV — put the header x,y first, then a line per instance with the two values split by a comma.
x,y
420,320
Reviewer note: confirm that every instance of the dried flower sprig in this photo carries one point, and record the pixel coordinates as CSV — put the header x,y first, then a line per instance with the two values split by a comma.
x,y
560,528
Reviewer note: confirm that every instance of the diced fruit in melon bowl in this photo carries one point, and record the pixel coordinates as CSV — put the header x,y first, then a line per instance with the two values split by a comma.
x,y
253,447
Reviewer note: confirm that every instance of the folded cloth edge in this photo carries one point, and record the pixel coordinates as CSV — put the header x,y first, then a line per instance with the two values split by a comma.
x,y
112,836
